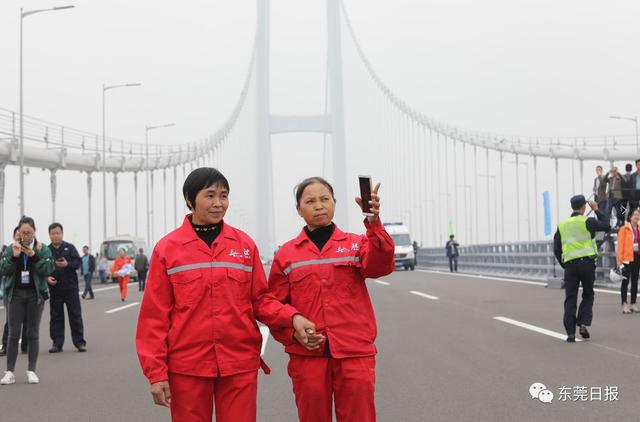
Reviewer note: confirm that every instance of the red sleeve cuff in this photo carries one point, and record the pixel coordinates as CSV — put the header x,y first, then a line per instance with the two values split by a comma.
x,y
162,376
376,226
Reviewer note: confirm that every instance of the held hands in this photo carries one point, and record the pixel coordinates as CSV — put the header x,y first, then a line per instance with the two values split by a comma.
x,y
161,393
62,263
305,333
52,281
375,204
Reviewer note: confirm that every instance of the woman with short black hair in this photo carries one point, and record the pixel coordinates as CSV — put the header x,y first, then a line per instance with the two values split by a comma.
x,y
27,263
197,338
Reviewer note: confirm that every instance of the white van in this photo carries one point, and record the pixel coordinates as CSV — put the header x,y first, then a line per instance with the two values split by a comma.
x,y
111,245
404,247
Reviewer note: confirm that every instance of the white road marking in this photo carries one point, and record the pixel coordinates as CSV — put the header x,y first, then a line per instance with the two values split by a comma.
x,y
264,330
121,308
384,283
102,289
530,327
424,295
510,280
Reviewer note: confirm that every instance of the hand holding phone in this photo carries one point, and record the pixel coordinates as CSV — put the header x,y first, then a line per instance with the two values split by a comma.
x,y
365,195
61,262
369,200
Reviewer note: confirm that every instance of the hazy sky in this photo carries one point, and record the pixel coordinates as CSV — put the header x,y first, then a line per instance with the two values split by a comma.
x,y
510,66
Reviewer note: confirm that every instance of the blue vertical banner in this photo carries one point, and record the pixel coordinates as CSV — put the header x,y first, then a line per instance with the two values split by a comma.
x,y
546,202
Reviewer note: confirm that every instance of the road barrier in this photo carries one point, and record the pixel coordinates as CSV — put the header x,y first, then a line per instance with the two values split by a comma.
x,y
525,260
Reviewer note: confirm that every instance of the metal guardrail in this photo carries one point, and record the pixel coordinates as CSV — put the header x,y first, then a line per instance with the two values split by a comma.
x,y
523,260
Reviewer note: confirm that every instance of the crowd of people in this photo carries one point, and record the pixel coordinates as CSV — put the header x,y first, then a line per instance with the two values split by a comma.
x,y
197,338
32,273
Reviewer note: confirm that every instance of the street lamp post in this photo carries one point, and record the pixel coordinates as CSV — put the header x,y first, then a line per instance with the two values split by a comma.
x,y
146,142
106,88
634,120
23,15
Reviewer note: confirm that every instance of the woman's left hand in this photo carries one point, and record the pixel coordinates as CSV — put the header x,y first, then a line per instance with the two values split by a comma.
x,y
375,204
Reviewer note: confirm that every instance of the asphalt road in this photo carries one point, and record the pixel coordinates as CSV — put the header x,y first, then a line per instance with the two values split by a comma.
x,y
443,357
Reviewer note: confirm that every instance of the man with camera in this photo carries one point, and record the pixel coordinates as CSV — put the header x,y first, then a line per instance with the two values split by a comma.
x,y
63,285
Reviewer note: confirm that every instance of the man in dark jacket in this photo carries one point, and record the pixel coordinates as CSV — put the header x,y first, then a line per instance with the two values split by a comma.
x,y
600,189
88,266
452,253
63,285
141,265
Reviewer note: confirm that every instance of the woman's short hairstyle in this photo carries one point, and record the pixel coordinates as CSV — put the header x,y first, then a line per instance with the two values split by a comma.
x,y
300,187
202,178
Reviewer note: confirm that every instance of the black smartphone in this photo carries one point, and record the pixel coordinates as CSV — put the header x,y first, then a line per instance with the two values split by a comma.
x,y
365,194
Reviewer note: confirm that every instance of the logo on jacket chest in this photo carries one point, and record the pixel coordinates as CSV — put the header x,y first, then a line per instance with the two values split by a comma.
x,y
244,254
343,249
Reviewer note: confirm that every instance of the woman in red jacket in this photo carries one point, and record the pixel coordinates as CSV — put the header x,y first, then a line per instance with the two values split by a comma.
x,y
322,273
121,269
197,338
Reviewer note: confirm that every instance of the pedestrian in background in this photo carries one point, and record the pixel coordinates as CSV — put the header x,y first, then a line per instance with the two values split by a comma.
x,y
614,183
636,185
121,269
141,265
600,189
627,190
87,269
628,259
5,332
27,263
452,253
63,286
103,267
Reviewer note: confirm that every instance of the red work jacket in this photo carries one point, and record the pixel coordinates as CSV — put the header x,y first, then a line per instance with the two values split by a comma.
x,y
118,264
328,287
198,315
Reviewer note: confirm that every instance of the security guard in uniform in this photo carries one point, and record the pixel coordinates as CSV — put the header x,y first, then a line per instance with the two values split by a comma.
x,y
575,249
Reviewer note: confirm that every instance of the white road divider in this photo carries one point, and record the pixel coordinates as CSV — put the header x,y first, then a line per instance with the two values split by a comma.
x,y
424,295
384,283
534,328
121,308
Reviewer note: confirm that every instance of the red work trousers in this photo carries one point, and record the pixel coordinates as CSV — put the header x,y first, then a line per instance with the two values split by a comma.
x,y
124,282
350,381
235,397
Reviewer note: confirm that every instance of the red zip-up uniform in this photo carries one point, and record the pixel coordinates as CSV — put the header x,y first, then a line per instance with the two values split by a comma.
x,y
197,325
328,287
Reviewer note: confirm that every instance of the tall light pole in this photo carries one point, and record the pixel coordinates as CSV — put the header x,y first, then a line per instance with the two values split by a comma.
x,y
146,143
634,120
23,15
106,88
